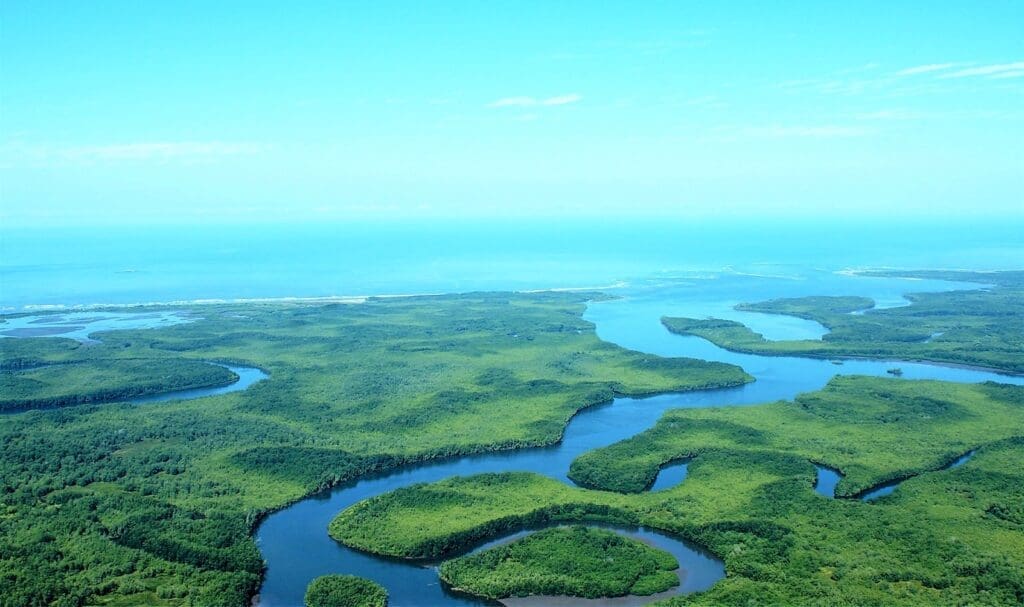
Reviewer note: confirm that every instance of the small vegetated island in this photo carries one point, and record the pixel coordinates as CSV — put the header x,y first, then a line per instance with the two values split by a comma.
x,y
574,561
345,591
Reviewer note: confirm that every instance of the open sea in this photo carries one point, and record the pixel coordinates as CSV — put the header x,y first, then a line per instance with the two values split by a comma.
x,y
74,267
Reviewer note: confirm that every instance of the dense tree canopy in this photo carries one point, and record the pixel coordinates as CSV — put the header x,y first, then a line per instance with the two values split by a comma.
x,y
155,504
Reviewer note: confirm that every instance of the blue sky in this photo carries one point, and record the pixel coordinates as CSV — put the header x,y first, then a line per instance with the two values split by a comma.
x,y
139,112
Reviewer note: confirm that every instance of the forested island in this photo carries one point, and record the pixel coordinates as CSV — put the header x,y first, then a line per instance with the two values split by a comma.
x,y
345,591
572,561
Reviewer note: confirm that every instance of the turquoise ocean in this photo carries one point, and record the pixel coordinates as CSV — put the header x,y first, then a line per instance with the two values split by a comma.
x,y
43,267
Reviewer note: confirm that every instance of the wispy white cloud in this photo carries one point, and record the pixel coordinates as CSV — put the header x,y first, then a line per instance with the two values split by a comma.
x,y
833,86
1009,74
987,70
523,101
513,102
817,131
889,115
931,78
926,69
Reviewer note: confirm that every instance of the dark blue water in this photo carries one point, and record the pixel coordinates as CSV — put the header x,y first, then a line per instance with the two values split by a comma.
x,y
294,541
882,490
826,481
671,475
889,487
828,478
960,461
295,544
247,376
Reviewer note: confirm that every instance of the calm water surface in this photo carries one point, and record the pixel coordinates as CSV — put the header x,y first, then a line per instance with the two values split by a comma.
x,y
826,481
138,264
671,475
889,487
247,376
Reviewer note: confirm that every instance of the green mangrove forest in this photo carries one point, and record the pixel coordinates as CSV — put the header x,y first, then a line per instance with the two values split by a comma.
x,y
116,504
106,503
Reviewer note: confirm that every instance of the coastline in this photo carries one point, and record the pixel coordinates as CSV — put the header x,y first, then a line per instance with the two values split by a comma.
x,y
31,309
12,311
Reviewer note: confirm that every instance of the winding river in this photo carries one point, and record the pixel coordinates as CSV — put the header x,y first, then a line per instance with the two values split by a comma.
x,y
247,376
294,541
81,326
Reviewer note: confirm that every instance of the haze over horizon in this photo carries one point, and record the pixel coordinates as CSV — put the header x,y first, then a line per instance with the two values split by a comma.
x,y
194,113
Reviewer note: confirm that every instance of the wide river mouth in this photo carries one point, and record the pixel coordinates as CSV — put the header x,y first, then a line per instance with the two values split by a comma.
x,y
294,540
